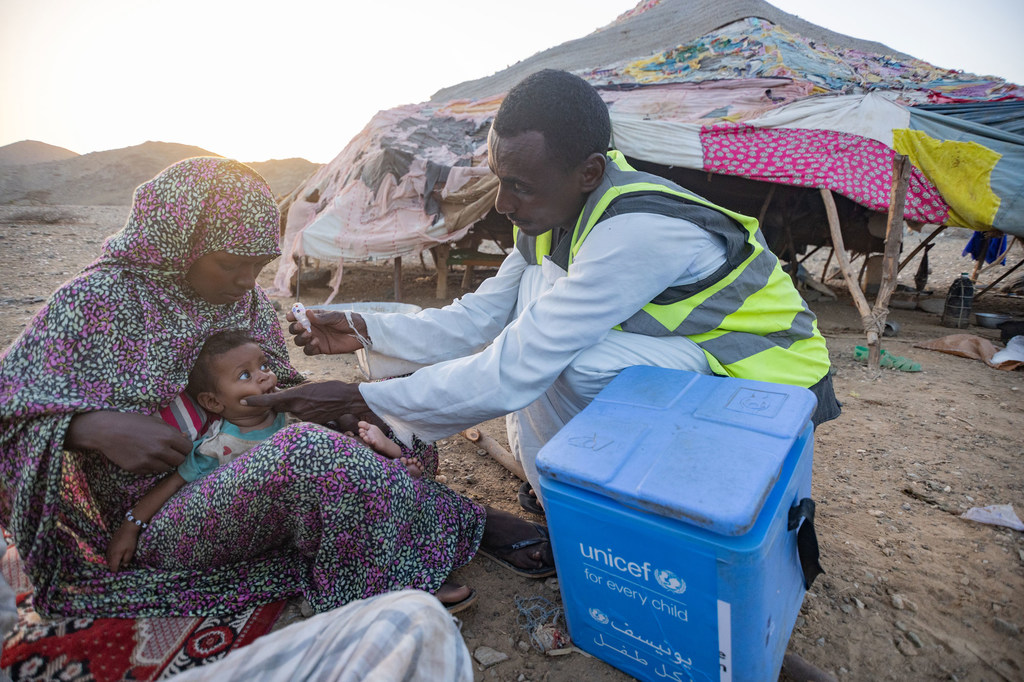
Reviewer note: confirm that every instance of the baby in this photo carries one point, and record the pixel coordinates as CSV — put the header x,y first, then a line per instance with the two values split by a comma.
x,y
230,366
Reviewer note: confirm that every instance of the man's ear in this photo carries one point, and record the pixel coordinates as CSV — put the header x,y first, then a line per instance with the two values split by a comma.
x,y
209,402
591,172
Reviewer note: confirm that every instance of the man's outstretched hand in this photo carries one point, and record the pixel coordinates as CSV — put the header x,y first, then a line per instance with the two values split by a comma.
x,y
320,402
330,333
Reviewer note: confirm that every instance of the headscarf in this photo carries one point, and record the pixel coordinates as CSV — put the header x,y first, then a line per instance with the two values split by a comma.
x,y
122,335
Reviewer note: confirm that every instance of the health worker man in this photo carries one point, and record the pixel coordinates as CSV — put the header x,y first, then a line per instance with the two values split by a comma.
x,y
611,268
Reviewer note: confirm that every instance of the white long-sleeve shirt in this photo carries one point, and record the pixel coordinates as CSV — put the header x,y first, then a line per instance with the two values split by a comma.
x,y
504,347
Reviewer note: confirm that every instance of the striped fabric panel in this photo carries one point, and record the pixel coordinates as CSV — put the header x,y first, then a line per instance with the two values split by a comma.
x,y
187,416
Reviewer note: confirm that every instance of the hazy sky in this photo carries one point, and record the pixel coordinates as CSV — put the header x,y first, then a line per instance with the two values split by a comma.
x,y
257,80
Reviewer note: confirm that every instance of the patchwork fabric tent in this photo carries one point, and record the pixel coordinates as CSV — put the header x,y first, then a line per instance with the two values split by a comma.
x,y
735,99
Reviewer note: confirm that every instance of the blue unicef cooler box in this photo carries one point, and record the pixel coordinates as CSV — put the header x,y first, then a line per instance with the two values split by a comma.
x,y
674,502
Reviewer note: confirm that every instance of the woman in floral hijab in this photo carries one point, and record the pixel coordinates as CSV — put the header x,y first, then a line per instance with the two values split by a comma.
x,y
309,511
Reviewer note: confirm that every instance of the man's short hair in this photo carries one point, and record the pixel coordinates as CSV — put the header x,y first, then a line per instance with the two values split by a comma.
x,y
201,379
564,108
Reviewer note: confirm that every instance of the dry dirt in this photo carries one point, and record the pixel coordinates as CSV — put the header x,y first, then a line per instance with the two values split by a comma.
x,y
911,591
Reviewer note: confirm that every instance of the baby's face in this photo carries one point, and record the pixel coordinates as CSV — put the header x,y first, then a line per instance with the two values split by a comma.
x,y
242,372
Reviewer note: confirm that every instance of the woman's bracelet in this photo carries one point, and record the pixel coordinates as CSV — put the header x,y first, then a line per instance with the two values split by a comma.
x,y
141,524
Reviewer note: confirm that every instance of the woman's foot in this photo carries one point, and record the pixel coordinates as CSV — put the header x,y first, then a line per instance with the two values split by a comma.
x,y
528,499
455,597
518,545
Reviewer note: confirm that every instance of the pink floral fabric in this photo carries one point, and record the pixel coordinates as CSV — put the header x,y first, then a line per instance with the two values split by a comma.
x,y
858,168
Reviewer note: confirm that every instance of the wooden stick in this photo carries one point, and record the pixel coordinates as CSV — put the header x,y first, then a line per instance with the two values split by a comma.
x,y
440,253
986,239
824,270
839,249
926,242
1000,279
802,671
764,206
813,251
496,451
398,279
893,242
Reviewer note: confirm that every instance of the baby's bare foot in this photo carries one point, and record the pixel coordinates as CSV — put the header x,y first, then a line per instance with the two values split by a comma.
x,y
413,465
375,438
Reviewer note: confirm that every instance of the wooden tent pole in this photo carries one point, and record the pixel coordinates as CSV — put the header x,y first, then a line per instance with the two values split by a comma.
x,y
764,206
1000,279
839,249
893,243
398,279
824,270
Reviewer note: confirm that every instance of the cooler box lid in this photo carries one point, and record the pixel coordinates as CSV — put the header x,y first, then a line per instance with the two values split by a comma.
x,y
701,449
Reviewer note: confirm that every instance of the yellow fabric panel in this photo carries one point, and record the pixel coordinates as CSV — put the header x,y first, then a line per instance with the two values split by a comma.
x,y
961,171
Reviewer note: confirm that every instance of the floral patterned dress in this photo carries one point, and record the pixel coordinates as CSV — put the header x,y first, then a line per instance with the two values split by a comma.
x,y
309,511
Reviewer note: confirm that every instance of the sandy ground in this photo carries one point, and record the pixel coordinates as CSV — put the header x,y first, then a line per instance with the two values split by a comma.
x,y
911,591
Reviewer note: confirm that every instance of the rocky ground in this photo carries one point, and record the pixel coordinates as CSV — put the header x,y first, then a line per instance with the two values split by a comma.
x,y
912,591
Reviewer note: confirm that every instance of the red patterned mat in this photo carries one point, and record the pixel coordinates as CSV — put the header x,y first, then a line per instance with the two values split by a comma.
x,y
116,649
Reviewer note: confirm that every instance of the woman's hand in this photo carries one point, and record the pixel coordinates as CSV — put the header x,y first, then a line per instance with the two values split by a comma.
x,y
138,443
330,334
323,402
122,546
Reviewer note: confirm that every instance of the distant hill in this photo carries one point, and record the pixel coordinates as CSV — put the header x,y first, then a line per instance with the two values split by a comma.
x,y
109,178
284,175
32,151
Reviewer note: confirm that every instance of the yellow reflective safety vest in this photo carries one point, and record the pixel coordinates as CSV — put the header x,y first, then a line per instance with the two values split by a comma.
x,y
747,316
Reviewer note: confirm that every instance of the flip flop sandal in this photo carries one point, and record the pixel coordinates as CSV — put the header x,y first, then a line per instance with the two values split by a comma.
x,y
528,501
498,554
887,359
462,605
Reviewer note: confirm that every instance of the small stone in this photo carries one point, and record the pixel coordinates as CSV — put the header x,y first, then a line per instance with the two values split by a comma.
x,y
906,506
914,639
858,603
521,678
486,656
470,478
523,646
481,452
441,478
876,512
897,602
846,608
906,648
901,626
820,641
965,580
1006,627
947,489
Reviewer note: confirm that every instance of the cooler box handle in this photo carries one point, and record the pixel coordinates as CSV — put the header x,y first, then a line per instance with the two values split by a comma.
x,y
806,539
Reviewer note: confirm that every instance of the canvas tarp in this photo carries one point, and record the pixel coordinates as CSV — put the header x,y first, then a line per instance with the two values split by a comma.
x,y
749,97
